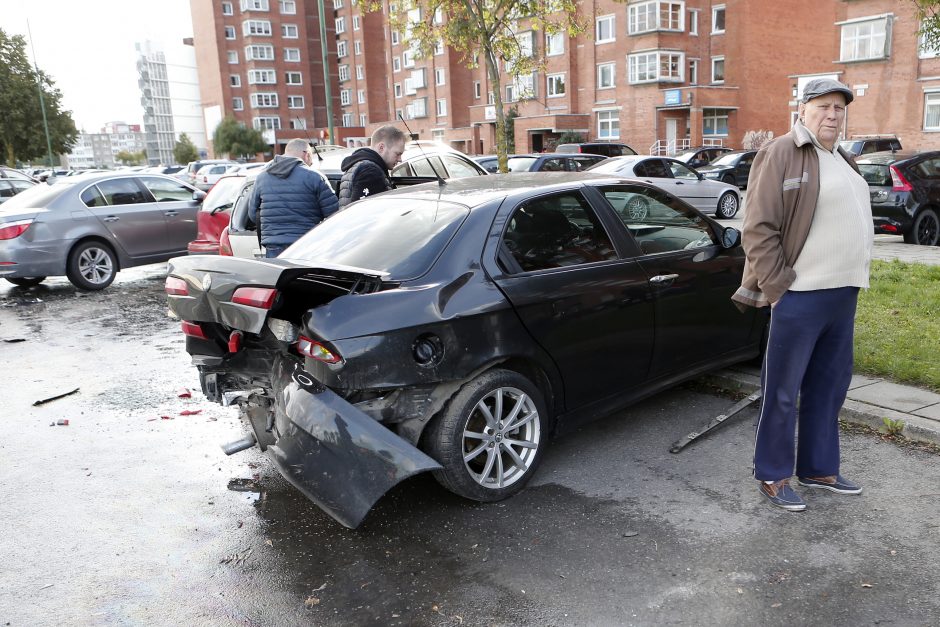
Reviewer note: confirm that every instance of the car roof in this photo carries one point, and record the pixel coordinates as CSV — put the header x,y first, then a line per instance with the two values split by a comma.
x,y
331,160
888,158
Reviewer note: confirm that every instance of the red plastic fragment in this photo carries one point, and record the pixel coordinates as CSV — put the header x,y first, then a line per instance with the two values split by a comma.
x,y
184,393
190,412
166,417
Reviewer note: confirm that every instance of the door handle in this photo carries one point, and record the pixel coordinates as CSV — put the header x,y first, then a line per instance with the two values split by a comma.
x,y
679,183
171,213
111,219
663,280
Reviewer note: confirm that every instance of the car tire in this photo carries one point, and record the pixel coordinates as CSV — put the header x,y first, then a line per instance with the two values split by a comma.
x,y
91,266
925,229
727,205
727,178
24,281
471,441
638,208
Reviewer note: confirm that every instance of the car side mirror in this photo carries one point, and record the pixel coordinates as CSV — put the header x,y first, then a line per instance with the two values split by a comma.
x,y
700,176
199,195
730,237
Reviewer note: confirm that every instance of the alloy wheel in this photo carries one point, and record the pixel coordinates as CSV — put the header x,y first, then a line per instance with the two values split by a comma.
x,y
95,265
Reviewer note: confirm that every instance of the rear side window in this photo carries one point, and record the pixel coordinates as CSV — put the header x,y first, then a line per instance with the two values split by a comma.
x,y
657,221
556,231
458,168
93,198
122,192
166,190
875,174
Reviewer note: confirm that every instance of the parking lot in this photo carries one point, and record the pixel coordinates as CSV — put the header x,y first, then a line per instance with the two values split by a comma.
x,y
131,514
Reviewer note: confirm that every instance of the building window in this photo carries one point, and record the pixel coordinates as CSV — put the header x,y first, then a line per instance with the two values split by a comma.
x,y
293,78
230,32
266,123
357,47
227,9
238,104
262,77
555,85
292,54
650,16
718,69
441,107
355,22
259,53
554,44
439,76
604,29
256,28
362,119
342,49
932,111
417,79
360,74
343,72
608,125
438,15
693,22
337,4
476,90
254,5
398,90
298,124
235,80
490,98
344,97
232,56
693,72
715,122
396,64
340,25
347,119
266,100
289,31
510,93
407,59
288,7
361,96
605,75
864,40
295,102
419,108
439,48
394,37
718,19
649,67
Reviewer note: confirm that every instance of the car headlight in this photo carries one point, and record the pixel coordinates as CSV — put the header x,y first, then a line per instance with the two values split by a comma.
x,y
711,175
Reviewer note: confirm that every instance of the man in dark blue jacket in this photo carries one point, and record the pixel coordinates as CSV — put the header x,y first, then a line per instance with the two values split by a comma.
x,y
365,171
289,198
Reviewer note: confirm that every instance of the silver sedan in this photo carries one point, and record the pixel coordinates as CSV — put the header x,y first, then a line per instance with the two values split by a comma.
x,y
88,227
678,179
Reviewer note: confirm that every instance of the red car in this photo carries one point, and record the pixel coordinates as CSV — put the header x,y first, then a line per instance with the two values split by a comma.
x,y
214,215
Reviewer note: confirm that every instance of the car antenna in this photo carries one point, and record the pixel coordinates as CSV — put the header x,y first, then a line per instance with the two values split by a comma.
x,y
440,180
314,146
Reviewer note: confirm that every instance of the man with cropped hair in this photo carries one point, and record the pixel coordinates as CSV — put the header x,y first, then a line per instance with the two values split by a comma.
x,y
366,171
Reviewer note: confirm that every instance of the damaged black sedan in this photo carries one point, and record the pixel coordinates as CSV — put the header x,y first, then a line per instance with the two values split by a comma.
x,y
456,327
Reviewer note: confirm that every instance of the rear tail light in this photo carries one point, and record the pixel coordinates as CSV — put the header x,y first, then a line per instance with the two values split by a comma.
x,y
316,350
12,230
899,183
235,341
176,287
889,228
260,297
193,329
225,244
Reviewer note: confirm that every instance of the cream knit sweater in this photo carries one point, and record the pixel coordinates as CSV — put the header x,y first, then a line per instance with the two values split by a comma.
x,y
837,252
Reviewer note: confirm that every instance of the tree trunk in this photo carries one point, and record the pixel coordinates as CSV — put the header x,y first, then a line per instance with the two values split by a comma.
x,y
501,147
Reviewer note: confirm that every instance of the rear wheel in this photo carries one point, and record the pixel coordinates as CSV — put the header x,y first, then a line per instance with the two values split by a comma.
x,y
727,205
27,281
91,266
491,437
925,230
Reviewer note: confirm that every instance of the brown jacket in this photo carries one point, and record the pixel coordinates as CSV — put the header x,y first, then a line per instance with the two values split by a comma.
x,y
782,190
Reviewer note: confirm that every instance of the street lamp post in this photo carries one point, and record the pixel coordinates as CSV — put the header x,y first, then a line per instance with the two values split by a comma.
x,y
42,101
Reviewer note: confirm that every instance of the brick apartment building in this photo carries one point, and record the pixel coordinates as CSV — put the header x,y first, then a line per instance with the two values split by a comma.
x,y
656,74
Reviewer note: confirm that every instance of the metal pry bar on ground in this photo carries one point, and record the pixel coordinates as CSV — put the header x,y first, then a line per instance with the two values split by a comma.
x,y
717,420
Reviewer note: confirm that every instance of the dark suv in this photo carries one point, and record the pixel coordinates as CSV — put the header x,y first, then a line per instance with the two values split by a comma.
x,y
866,145
606,149
905,194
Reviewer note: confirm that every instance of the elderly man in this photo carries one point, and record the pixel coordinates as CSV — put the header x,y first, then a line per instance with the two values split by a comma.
x,y
365,171
808,237
289,198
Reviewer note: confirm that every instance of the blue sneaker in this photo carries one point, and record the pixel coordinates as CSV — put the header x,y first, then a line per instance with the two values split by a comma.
x,y
782,495
833,483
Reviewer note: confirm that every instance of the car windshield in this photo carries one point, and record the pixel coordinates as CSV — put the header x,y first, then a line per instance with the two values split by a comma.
x,y
520,164
849,146
727,159
875,174
400,236
222,193
36,196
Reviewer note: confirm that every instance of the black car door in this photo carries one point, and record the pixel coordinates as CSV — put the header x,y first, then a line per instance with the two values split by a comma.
x,y
691,278
743,169
586,306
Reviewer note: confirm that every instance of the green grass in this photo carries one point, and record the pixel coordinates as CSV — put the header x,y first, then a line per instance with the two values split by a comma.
x,y
897,330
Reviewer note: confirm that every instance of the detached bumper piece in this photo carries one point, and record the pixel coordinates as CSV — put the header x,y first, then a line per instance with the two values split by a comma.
x,y
339,457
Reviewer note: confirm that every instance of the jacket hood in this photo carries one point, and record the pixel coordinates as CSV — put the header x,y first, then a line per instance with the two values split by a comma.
x,y
363,154
282,166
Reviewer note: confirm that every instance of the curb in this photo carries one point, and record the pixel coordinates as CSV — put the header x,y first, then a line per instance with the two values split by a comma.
x,y
916,428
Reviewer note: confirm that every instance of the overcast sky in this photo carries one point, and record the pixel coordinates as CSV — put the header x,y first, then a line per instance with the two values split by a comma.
x,y
88,49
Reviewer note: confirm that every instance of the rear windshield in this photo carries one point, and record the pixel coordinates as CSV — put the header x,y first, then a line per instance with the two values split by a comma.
x,y
727,159
37,196
520,164
223,193
875,174
400,236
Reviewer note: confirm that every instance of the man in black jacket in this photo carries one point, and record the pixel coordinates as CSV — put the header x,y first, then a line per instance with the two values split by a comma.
x,y
365,171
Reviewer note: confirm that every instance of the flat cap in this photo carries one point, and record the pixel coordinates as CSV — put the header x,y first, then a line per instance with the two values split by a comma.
x,y
822,86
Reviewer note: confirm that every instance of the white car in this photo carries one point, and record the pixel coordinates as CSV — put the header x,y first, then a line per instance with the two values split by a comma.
x,y
209,175
675,177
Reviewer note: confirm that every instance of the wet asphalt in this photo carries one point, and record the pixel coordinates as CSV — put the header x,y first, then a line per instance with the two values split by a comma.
x,y
132,515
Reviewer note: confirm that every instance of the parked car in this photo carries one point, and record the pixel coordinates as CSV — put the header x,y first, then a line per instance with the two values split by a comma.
x,y
553,162
12,182
608,149
675,177
732,167
490,163
455,328
89,227
703,155
209,175
188,175
215,213
905,194
865,144
12,173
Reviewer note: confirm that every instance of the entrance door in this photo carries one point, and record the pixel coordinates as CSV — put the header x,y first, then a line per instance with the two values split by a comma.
x,y
537,145
672,126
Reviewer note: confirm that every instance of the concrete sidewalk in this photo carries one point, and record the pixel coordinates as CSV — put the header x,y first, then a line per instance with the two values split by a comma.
x,y
869,401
